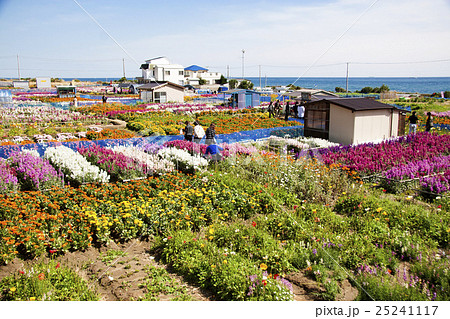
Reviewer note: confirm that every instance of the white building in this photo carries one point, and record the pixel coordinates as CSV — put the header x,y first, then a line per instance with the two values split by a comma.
x,y
194,73
161,70
161,92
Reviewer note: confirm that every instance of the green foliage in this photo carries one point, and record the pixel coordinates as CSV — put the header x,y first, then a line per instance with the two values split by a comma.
x,y
223,80
339,90
233,83
159,282
43,281
247,85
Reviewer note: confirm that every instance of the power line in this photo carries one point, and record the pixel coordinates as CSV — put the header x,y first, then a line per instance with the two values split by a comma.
x,y
109,35
337,40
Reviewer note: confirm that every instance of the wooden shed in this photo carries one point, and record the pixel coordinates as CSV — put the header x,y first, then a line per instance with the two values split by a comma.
x,y
161,92
352,120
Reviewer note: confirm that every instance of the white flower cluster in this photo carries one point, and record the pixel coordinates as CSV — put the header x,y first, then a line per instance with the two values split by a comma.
x,y
287,141
74,165
195,162
153,162
314,142
31,152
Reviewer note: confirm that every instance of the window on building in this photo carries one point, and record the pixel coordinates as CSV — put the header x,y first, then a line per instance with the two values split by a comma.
x,y
180,72
160,97
167,72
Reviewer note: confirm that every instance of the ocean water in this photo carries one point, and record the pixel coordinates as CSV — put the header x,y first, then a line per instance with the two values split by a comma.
x,y
425,85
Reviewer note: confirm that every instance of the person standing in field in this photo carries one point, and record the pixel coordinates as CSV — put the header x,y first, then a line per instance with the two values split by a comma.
x,y
210,134
199,132
429,122
188,131
270,109
286,112
413,123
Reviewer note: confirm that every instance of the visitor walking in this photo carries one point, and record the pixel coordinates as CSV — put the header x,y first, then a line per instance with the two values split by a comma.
x,y
413,123
199,132
296,109
210,134
286,112
188,131
429,122
270,109
301,111
104,98
277,108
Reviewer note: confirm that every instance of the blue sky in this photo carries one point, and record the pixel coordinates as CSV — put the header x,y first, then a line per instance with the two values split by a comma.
x,y
281,38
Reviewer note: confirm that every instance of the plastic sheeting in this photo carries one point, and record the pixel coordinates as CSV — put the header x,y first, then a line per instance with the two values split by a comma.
x,y
238,137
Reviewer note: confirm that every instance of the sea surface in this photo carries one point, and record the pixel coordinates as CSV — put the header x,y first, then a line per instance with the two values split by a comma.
x,y
426,85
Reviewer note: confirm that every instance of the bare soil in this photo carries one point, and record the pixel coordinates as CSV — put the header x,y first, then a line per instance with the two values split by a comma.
x,y
124,278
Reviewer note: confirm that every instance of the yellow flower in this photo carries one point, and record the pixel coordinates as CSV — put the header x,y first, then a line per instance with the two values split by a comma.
x,y
379,209
13,289
225,261
211,230
32,298
263,266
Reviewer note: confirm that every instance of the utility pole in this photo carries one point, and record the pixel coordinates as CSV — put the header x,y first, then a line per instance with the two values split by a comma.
x,y
243,52
346,81
18,66
123,64
228,71
260,77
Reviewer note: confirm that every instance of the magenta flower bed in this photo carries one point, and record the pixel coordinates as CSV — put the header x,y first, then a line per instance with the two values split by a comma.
x,y
117,165
34,173
372,158
228,149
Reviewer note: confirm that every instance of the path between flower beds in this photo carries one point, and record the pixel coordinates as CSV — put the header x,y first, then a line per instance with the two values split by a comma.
x,y
122,280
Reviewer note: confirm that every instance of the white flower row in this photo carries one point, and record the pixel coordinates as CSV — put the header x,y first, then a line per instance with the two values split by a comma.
x,y
153,161
175,155
74,165
314,142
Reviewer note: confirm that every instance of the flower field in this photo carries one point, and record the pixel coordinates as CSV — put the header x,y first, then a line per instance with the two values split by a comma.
x,y
273,218
241,228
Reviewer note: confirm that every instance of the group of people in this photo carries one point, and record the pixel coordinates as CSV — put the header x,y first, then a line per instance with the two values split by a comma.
x,y
275,110
196,133
413,121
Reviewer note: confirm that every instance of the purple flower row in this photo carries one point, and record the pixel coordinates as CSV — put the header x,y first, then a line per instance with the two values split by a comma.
x,y
8,180
373,158
33,172
418,168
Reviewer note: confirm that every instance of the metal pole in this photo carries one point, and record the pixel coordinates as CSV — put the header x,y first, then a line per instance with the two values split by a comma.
x,y
243,52
346,81
260,76
18,66
123,63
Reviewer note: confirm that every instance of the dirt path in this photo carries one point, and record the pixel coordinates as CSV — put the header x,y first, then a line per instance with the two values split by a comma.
x,y
118,272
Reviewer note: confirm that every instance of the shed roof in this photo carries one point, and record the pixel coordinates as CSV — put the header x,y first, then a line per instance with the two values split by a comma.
x,y
240,91
358,104
154,85
195,68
